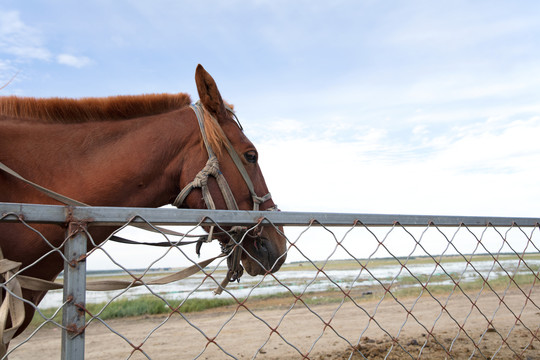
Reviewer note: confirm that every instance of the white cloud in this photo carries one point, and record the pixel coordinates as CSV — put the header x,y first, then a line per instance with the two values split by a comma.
x,y
19,39
74,61
25,42
484,171
512,147
5,69
457,30
286,125
420,130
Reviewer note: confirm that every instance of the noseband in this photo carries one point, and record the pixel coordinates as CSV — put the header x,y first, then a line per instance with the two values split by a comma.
x,y
201,181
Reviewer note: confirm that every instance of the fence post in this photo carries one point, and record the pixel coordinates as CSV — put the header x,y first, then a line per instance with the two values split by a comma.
x,y
73,317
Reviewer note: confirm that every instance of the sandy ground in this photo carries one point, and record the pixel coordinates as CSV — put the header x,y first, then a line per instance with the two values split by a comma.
x,y
318,332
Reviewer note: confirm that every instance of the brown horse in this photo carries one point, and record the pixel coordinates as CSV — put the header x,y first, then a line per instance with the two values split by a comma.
x,y
138,151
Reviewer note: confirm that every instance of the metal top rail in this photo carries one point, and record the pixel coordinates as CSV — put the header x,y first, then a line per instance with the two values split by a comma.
x,y
116,216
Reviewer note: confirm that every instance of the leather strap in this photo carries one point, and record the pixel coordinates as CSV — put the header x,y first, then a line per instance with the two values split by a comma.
x,y
37,284
212,169
63,199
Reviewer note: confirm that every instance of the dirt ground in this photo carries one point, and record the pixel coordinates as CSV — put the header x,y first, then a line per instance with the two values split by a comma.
x,y
275,331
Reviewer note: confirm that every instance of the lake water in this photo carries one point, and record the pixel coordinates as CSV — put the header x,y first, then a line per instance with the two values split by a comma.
x,y
200,286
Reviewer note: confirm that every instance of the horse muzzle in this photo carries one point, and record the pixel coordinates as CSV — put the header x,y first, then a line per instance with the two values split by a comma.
x,y
264,253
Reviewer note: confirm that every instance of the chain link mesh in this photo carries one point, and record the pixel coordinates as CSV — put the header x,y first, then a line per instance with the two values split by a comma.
x,y
356,292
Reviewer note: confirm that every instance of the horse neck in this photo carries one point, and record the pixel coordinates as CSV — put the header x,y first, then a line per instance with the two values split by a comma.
x,y
121,163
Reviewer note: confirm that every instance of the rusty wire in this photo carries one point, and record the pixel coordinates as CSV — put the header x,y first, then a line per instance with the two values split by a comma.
x,y
395,340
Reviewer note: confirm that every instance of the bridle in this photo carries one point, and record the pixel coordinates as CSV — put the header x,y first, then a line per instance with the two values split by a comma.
x,y
13,307
212,169
236,234
201,181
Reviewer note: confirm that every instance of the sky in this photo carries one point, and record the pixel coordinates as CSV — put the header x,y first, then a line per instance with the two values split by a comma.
x,y
401,107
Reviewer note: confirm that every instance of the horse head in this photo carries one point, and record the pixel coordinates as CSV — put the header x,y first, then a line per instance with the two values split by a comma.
x,y
224,174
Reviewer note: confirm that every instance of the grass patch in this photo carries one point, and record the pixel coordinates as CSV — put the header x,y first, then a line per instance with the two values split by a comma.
x,y
403,286
151,305
144,305
414,260
469,286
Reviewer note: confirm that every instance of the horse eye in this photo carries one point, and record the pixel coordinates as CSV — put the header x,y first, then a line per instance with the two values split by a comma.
x,y
251,156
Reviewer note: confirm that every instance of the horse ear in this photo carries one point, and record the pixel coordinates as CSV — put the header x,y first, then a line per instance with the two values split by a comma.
x,y
209,93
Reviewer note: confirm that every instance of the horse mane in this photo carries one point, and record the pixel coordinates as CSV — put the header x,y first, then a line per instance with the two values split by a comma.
x,y
95,109
90,109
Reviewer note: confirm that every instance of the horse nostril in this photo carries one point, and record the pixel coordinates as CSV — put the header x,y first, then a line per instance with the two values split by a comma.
x,y
262,248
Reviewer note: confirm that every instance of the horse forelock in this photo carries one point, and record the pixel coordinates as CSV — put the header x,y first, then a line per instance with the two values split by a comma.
x,y
67,110
214,132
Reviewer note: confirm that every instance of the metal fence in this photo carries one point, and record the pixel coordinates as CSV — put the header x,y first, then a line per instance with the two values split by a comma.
x,y
355,286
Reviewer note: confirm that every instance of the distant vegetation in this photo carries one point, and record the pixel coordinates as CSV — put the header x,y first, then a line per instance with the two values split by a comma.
x,y
143,305
404,286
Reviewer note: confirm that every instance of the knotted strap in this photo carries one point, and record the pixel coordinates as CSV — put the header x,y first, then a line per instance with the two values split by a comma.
x,y
212,169
201,181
